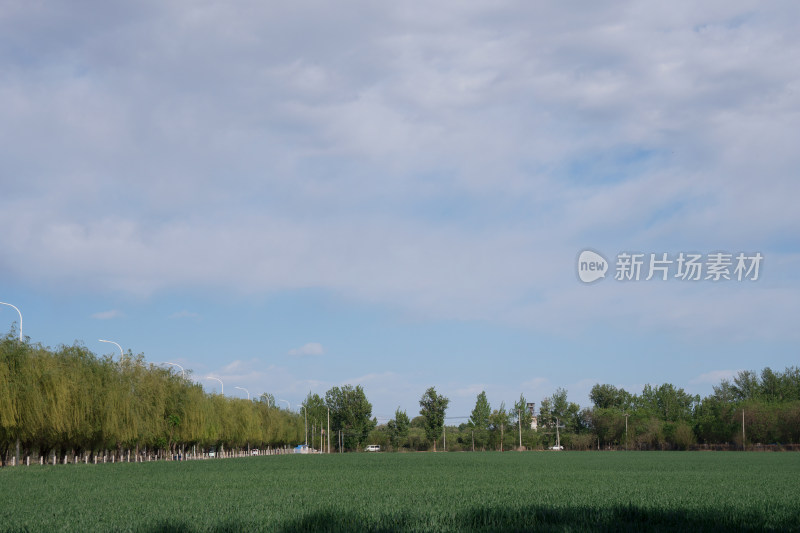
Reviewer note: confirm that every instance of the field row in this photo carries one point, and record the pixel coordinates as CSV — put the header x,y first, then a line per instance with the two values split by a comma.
x,y
415,492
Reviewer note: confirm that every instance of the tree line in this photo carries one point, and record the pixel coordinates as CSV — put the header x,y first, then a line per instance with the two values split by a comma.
x,y
751,409
70,400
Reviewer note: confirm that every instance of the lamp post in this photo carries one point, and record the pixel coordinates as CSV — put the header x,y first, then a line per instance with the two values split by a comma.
x,y
289,406
247,391
121,353
248,399
16,457
183,373
20,318
305,417
220,382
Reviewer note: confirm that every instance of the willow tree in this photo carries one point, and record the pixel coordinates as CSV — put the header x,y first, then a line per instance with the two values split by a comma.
x,y
69,400
12,356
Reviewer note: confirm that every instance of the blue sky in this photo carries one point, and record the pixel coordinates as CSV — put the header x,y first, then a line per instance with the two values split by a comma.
x,y
292,197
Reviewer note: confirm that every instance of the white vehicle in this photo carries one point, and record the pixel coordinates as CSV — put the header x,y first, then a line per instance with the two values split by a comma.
x,y
373,448
556,447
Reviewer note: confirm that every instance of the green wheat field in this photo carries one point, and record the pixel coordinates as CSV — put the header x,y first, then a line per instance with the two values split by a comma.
x,y
532,491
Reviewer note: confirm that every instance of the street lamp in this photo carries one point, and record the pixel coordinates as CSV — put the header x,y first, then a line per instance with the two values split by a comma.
x,y
289,406
20,318
220,382
183,373
247,391
305,417
121,353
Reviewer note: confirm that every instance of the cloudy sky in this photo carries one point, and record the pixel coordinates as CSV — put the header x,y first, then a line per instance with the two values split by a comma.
x,y
295,195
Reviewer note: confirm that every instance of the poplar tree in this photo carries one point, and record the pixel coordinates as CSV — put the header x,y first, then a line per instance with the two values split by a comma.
x,y
432,409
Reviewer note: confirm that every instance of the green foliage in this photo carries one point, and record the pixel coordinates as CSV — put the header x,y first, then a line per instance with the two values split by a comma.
x,y
608,425
350,413
666,402
398,427
432,409
558,410
479,422
480,414
70,400
317,418
610,397
498,422
770,387
54,401
268,399
418,422
521,412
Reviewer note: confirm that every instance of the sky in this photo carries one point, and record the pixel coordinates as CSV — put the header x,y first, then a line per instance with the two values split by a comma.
x,y
291,196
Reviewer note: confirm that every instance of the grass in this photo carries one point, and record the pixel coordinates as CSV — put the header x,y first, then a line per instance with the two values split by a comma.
x,y
414,492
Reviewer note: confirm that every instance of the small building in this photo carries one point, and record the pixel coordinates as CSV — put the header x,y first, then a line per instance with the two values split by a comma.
x,y
534,420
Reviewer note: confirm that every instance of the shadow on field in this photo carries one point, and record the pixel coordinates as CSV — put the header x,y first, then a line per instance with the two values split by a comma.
x,y
529,518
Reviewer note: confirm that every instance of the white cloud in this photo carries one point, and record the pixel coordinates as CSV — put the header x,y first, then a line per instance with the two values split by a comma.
x,y
714,377
108,315
536,383
375,377
447,161
184,314
233,367
310,348
470,391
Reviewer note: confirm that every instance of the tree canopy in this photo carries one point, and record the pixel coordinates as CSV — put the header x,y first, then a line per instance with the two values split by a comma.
x,y
479,418
351,413
69,399
432,408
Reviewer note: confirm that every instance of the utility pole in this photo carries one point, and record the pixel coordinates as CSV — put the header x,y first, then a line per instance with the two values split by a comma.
x,y
519,419
329,430
626,431
558,436
743,441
